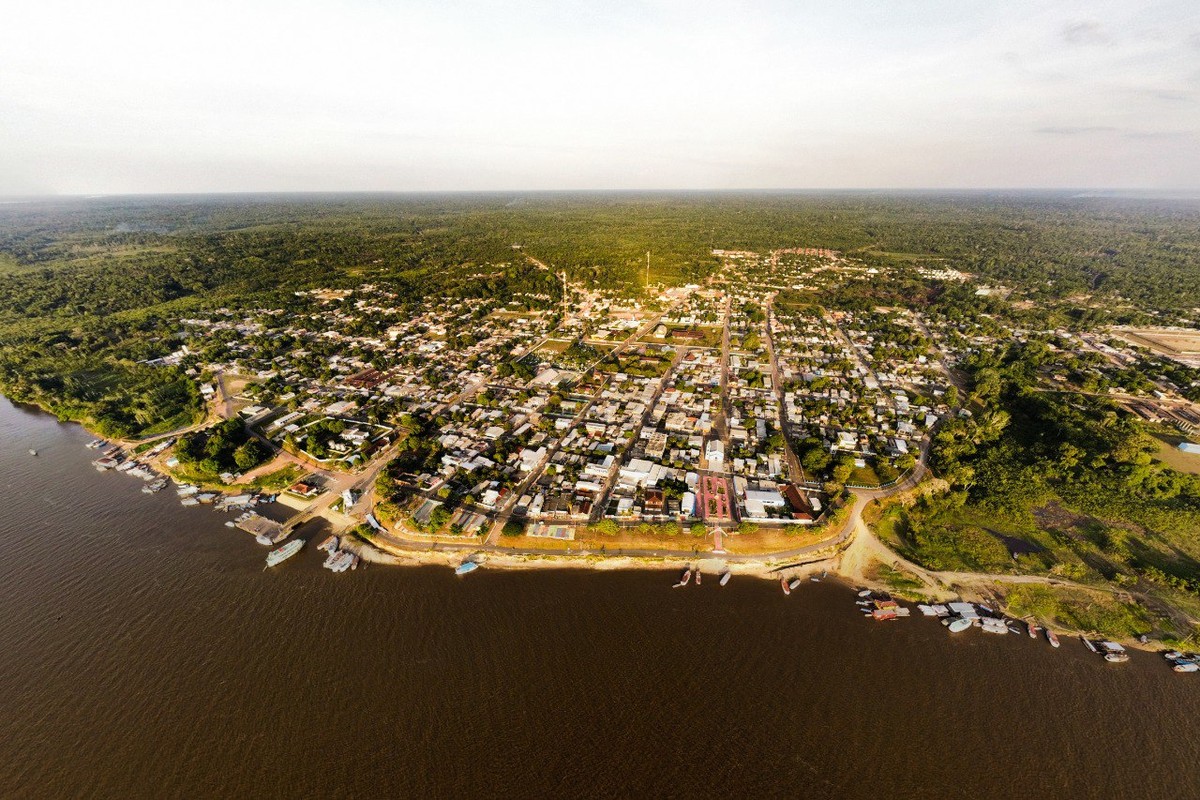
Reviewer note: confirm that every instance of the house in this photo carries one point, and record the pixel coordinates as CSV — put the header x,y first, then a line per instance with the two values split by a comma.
x,y
715,453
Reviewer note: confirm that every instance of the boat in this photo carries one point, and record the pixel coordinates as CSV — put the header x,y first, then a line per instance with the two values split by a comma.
x,y
465,568
1088,644
698,574
794,583
281,554
725,577
992,625
865,593
329,544
1114,653
340,561
787,589
958,624
1186,666
684,579
1013,627
32,452
1052,638
1032,627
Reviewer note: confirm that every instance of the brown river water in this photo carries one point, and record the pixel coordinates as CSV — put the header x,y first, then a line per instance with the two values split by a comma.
x,y
144,652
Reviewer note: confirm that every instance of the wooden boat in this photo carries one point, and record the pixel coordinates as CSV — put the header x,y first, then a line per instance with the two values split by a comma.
x,y
783,582
1114,653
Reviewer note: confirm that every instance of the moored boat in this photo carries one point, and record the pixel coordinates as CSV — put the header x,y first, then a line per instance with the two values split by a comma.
x,y
1114,653
783,582
725,577
1088,644
1185,666
958,624
285,552
992,625
465,568
794,583
1032,627
1052,638
698,575
684,579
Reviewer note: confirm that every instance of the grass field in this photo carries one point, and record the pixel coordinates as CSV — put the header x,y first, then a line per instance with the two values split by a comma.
x,y
1170,454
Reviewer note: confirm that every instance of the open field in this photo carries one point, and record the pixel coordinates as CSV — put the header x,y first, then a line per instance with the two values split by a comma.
x,y
1170,454
1178,343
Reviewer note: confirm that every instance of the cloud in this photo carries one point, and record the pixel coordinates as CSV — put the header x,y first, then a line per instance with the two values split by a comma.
x,y
1173,96
1158,134
1076,130
1085,33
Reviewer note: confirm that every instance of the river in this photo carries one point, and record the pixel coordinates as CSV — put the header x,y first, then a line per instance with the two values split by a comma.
x,y
144,652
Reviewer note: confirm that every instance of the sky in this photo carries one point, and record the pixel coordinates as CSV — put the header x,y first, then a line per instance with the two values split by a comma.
x,y
132,96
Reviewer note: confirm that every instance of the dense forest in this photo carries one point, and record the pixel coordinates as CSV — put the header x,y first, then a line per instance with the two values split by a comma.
x,y
89,288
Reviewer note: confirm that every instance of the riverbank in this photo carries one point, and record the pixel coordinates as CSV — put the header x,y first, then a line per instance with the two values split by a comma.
x,y
856,557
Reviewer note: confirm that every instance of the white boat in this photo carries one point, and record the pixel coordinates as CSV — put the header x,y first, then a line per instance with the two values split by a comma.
x,y
1052,638
1186,666
32,452
339,561
795,582
465,568
865,593
958,624
281,554
1114,653
926,610
725,577
993,625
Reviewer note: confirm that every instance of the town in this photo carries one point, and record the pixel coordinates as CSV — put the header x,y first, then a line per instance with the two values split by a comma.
x,y
740,417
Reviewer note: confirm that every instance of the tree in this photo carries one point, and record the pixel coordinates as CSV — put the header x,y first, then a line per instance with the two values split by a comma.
x,y
843,468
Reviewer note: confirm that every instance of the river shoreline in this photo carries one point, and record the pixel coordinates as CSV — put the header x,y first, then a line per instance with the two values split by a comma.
x,y
844,560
